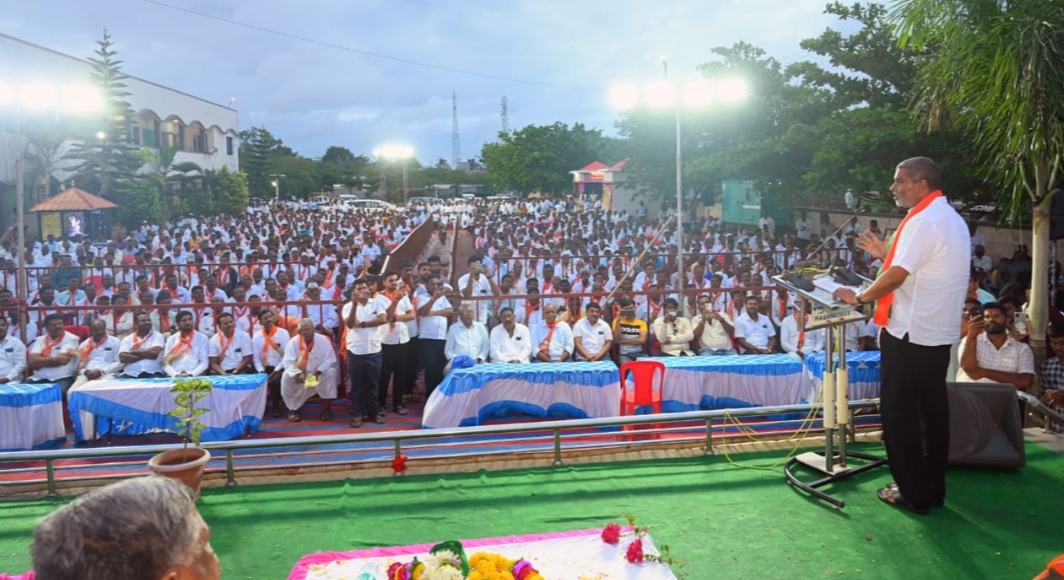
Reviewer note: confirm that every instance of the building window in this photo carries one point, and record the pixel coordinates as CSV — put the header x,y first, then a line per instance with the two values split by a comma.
x,y
199,143
229,146
137,139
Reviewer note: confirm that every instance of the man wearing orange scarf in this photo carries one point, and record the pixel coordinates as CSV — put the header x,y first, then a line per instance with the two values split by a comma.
x,y
918,298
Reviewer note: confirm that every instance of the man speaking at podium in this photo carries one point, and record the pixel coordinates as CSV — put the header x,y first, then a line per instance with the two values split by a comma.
x,y
918,299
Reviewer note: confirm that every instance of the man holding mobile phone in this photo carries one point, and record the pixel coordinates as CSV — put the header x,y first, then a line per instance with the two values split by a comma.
x,y
989,355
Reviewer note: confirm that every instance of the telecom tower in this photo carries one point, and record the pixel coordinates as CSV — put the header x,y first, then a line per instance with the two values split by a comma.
x,y
505,115
455,149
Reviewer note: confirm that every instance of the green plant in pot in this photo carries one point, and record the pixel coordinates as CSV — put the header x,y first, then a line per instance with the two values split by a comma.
x,y
186,464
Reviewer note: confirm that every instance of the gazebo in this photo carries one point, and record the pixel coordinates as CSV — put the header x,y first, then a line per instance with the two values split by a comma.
x,y
74,212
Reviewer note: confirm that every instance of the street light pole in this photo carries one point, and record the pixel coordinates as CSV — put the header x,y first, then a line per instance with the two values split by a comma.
x,y
680,278
20,207
406,185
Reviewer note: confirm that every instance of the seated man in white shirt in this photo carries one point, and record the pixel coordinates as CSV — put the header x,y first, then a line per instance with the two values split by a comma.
x,y
753,330
310,368
12,355
674,332
511,341
989,355
185,353
797,342
466,337
53,356
230,348
592,336
713,329
98,355
552,339
141,352
267,351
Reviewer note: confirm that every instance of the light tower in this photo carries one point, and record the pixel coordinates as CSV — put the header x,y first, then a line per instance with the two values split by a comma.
x,y
505,115
455,149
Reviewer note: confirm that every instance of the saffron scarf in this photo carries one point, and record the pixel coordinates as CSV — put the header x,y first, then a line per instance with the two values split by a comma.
x,y
884,303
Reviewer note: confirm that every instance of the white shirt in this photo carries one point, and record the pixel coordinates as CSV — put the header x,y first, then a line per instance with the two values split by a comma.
x,y
363,340
1013,357
104,357
67,344
193,362
471,341
239,346
561,340
481,287
12,359
149,366
756,332
320,358
814,339
432,327
935,251
592,337
505,348
274,355
400,334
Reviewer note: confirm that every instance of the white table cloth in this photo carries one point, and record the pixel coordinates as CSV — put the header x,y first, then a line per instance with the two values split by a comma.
x,y
578,389
863,375
137,406
31,416
732,382
574,555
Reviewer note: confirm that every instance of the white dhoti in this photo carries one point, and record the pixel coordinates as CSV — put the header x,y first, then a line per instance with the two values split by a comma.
x,y
296,393
82,379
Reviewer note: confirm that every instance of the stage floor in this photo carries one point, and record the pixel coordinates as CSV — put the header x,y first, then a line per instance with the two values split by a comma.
x,y
720,520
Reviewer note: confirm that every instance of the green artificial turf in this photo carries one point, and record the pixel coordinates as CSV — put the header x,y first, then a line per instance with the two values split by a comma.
x,y
720,520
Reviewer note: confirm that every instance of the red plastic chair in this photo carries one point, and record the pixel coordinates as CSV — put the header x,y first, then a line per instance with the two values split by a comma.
x,y
648,378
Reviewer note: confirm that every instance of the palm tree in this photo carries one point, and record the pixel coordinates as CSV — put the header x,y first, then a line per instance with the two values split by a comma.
x,y
42,150
995,69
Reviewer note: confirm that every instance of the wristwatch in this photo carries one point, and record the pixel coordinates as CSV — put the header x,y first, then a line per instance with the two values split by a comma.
x,y
857,297
362,324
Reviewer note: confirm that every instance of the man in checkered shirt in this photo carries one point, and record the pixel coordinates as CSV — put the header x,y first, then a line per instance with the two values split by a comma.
x,y
1053,376
989,355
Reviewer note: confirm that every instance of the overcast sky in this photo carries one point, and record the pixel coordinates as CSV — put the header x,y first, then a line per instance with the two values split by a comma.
x,y
567,53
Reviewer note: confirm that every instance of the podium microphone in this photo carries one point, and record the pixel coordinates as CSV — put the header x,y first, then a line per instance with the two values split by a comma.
x,y
800,281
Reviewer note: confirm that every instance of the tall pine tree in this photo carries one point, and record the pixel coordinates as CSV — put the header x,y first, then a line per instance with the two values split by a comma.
x,y
107,164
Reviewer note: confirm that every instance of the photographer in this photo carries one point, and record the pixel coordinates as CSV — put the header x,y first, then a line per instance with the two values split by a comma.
x,y
714,330
673,331
988,354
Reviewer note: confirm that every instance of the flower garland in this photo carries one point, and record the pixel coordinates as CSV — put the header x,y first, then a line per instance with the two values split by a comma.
x,y
447,561
611,534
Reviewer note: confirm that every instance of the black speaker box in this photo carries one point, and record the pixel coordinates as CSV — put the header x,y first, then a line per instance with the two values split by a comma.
x,y
985,429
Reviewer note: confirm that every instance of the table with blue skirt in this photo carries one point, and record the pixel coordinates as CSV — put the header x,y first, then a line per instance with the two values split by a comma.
x,y
127,406
863,373
578,390
31,416
732,382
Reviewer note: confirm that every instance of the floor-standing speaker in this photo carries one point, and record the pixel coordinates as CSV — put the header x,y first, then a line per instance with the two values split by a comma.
x,y
985,427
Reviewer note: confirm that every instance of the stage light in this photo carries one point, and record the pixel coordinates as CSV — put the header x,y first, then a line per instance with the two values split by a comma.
x,y
698,93
37,96
732,90
660,94
624,97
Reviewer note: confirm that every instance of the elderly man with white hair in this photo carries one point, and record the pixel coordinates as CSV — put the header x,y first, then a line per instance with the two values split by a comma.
x,y
466,337
146,528
310,368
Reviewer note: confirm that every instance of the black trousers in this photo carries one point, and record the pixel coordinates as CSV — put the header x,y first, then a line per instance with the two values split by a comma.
x,y
433,361
364,372
394,360
273,386
915,414
413,364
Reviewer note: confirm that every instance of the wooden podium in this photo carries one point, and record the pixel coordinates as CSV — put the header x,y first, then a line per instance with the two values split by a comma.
x,y
833,315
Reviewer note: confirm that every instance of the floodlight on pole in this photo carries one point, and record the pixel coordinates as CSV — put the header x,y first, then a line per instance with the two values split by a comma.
x,y
396,152
34,97
695,94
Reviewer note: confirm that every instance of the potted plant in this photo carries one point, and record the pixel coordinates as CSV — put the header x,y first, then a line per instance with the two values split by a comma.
x,y
186,464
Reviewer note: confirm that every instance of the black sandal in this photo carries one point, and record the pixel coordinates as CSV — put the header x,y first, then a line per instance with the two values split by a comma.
x,y
356,422
380,418
891,495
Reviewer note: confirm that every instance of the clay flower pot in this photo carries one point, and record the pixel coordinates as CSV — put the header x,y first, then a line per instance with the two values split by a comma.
x,y
184,465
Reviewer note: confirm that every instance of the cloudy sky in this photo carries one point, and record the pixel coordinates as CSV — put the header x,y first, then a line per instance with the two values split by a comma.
x,y
553,59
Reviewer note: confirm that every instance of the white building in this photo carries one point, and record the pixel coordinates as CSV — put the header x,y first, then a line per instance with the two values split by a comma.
x,y
205,133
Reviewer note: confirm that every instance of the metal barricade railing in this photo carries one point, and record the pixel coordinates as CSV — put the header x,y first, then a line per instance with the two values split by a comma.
x,y
444,439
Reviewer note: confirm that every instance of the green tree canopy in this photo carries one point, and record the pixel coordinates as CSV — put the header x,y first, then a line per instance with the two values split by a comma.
x,y
540,157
